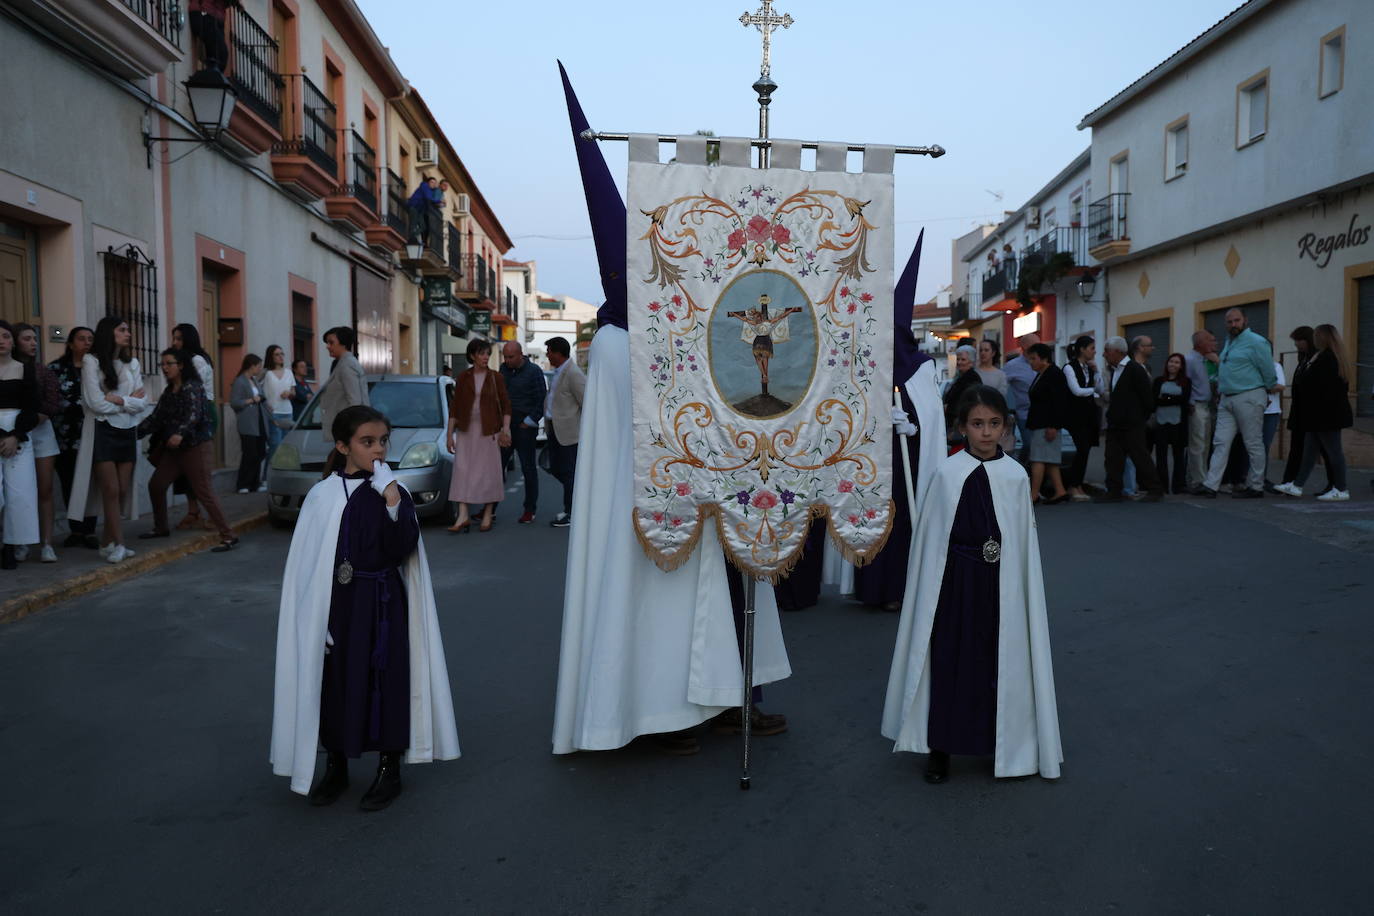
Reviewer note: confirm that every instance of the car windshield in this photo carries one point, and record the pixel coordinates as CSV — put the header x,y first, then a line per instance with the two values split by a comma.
x,y
408,405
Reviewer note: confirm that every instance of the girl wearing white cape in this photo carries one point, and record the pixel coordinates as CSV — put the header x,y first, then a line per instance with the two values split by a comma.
x,y
971,673
360,662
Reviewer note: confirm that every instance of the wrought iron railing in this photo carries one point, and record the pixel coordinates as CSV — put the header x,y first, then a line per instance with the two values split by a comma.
x,y
362,172
397,216
1063,239
492,291
253,67
1107,220
314,128
997,282
131,293
958,310
162,15
455,247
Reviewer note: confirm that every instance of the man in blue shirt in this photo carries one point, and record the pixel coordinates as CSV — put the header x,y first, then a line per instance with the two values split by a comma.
x,y
1244,379
526,387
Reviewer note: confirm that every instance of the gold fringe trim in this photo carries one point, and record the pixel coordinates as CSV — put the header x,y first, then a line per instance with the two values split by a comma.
x,y
668,562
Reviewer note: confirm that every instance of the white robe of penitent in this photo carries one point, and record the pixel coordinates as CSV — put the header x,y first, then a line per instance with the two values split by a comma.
x,y
924,390
306,588
643,651
1027,715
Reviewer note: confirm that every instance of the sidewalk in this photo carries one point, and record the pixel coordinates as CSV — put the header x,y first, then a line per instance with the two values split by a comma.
x,y
34,585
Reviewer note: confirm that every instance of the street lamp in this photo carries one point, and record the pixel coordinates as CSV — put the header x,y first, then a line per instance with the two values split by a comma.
x,y
212,99
414,250
1087,285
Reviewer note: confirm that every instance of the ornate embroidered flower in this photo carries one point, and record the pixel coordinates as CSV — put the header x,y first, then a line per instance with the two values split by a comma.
x,y
758,229
684,489
787,497
679,367
781,234
846,486
772,200
655,306
672,316
736,240
851,309
844,291
658,517
692,358
853,520
811,255
866,297
764,499
870,513
873,364
676,521
710,262
830,362
742,497
677,300
757,194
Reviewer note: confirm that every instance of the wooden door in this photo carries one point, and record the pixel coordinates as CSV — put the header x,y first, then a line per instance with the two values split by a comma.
x,y
209,337
16,278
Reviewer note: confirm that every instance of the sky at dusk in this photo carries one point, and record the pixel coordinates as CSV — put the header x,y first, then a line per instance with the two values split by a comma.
x,y
1001,85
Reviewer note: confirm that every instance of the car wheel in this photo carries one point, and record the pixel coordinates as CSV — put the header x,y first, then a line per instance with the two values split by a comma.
x,y
279,521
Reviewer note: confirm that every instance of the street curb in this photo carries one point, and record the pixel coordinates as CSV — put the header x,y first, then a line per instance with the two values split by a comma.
x,y
24,605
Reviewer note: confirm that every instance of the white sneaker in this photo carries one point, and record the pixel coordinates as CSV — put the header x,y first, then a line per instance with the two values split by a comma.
x,y
21,552
1288,488
118,555
107,549
1334,496
48,555
242,490
262,488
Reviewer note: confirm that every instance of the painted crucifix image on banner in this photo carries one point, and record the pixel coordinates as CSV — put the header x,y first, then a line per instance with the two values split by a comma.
x,y
761,351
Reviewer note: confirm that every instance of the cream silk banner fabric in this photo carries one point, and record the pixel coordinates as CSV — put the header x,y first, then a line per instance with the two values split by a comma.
x,y
760,306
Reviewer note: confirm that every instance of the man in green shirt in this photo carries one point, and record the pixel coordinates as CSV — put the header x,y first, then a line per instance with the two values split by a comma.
x,y
1245,376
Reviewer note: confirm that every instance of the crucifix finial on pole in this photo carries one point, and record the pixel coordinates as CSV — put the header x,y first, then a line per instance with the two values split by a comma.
x,y
765,19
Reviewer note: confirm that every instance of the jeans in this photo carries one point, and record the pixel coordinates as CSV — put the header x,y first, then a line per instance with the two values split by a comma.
x,y
274,436
1239,414
523,444
1128,475
251,449
1171,439
1328,441
562,465
1199,435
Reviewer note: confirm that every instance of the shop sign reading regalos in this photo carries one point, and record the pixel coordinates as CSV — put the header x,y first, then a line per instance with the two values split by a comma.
x,y
1321,248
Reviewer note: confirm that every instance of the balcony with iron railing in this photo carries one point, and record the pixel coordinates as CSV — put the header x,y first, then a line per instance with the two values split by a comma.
x,y
306,162
1108,231
999,282
473,284
135,39
253,71
393,228
353,204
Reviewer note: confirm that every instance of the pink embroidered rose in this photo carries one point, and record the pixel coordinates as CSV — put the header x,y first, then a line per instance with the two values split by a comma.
x,y
676,521
870,513
658,517
736,240
781,234
758,229
853,520
846,486
684,489
677,300
654,306
851,309
844,291
867,297
764,499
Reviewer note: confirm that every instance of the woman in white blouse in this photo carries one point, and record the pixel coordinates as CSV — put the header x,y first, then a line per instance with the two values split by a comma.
x,y
278,384
1084,417
113,399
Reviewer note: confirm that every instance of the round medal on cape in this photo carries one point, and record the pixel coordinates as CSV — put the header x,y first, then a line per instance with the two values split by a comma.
x,y
345,573
992,551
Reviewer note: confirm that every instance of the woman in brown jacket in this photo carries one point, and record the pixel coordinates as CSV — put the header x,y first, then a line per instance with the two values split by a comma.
x,y
478,428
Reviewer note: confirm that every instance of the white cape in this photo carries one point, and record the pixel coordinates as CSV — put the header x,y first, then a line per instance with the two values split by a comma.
x,y
643,651
924,390
305,595
1027,715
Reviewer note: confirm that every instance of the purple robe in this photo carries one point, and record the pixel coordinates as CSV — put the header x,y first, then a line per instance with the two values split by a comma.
x,y
365,697
963,638
883,581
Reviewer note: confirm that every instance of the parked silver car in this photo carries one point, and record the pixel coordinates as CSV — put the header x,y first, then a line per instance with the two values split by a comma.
x,y
417,406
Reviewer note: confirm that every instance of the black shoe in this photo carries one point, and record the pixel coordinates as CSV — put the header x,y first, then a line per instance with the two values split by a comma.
x,y
1204,492
7,560
386,787
225,546
937,767
561,520
1247,493
1152,497
75,539
149,535
332,781
90,542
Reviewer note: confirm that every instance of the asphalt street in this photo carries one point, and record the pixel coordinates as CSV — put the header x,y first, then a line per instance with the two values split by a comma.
x,y
1213,663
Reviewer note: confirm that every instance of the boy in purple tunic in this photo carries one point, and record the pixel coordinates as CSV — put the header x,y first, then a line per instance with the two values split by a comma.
x,y
382,681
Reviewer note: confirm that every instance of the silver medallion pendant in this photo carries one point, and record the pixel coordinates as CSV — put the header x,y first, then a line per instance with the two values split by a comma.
x,y
992,551
345,572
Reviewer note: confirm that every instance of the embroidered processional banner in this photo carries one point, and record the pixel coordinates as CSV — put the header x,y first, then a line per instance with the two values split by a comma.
x,y
760,305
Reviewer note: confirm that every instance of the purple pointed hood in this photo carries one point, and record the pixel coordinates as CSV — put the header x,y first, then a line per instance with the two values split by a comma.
x,y
606,210
906,354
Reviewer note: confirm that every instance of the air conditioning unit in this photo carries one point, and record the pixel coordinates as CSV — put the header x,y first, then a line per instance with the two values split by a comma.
x,y
429,152
1033,216
464,205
